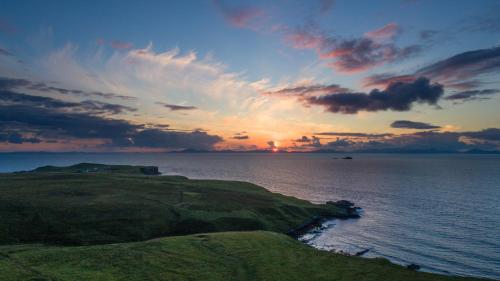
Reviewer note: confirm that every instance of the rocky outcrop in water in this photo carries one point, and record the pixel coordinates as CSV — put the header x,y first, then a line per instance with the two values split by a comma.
x,y
413,266
360,253
350,210
306,227
150,170
347,210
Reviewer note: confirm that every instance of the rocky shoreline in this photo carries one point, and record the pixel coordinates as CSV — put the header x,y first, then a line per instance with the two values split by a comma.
x,y
348,211
317,224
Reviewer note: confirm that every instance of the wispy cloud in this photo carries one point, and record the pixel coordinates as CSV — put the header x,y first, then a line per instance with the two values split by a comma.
x,y
350,134
387,32
4,52
406,124
16,83
175,107
90,106
141,72
120,45
305,90
385,79
473,95
241,137
237,15
463,66
182,78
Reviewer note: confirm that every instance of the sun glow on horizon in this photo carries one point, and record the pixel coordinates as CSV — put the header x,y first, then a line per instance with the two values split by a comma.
x,y
275,146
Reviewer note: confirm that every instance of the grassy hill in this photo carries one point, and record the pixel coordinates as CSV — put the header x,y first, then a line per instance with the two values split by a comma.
x,y
95,204
239,256
92,168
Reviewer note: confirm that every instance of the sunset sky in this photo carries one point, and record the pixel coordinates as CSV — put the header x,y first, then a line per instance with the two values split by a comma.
x,y
402,75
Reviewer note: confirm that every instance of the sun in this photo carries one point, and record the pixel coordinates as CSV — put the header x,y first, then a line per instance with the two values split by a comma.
x,y
275,146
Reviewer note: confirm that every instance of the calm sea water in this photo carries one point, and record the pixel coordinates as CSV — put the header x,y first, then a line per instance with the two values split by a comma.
x,y
439,211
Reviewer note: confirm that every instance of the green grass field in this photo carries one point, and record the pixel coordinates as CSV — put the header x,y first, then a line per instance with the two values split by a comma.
x,y
63,206
256,255
91,222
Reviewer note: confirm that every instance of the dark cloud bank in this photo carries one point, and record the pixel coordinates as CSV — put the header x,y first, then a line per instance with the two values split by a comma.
x,y
14,83
355,135
308,90
26,118
405,124
309,142
87,106
473,95
487,140
460,72
398,96
174,107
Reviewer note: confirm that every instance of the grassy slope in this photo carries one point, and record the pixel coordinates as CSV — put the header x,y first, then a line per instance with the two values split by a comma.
x,y
218,256
59,205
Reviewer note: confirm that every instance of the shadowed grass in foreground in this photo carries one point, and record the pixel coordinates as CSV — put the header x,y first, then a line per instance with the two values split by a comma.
x,y
241,256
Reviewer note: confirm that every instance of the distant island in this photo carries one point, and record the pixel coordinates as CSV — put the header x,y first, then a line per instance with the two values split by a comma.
x,y
391,150
118,222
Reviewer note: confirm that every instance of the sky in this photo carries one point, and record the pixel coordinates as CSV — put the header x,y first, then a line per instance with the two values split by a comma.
x,y
389,76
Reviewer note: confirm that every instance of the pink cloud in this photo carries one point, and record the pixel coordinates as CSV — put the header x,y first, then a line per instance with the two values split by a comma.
x,y
305,39
242,17
465,85
385,79
388,31
121,45
352,55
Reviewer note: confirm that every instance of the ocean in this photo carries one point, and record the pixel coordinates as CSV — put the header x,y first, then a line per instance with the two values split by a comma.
x,y
440,211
